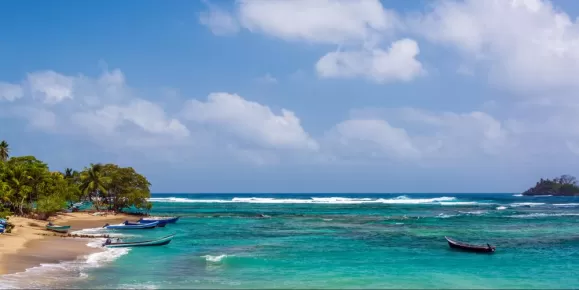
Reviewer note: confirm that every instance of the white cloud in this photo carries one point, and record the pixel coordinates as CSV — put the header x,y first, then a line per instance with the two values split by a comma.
x,y
374,137
103,108
10,92
527,45
250,121
320,21
398,63
53,87
422,136
148,116
219,22
268,79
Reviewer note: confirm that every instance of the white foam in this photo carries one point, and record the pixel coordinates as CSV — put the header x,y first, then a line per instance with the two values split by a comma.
x,y
96,232
566,204
215,259
137,286
49,275
459,203
187,200
517,194
501,207
318,200
474,212
445,216
540,215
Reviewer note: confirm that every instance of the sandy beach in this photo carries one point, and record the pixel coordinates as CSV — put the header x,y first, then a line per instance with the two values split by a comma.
x,y
30,244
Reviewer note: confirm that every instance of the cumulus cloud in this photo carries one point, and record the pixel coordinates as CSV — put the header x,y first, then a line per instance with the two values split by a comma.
x,y
398,63
10,92
527,45
99,108
51,86
422,136
250,121
373,137
219,22
360,25
318,21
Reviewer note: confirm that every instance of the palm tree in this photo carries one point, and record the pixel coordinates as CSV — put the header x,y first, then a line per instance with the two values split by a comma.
x,y
93,183
68,173
17,179
4,151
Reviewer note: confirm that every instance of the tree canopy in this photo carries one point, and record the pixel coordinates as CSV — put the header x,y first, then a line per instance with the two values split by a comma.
x,y
566,185
28,187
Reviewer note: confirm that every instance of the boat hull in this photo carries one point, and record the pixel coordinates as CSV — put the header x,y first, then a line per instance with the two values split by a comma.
x,y
162,222
132,226
469,248
58,229
159,242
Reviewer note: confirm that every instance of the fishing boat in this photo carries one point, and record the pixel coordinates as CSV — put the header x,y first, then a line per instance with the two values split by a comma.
x,y
159,225
58,229
124,226
162,220
158,242
3,222
468,247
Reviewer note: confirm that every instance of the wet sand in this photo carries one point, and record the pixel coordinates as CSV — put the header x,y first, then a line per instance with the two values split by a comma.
x,y
30,244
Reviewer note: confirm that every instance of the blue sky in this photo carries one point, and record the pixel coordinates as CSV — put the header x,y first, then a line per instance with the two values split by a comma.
x,y
296,96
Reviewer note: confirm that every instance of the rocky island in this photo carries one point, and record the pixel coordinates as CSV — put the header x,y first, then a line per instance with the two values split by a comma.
x,y
566,185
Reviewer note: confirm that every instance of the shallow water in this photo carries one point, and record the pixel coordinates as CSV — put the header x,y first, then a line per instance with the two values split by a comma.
x,y
342,241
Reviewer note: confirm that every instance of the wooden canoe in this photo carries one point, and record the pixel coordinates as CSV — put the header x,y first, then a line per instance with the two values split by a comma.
x,y
454,244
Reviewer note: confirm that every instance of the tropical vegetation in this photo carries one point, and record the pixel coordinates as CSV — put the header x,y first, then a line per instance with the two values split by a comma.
x,y
29,188
566,185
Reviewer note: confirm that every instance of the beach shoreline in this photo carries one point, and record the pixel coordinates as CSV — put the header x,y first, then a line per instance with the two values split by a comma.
x,y
31,245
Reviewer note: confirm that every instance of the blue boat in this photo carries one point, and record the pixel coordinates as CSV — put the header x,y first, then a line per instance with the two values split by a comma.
x,y
129,226
158,242
162,220
159,225
3,222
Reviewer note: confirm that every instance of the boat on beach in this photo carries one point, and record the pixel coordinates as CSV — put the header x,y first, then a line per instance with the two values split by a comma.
x,y
131,226
57,228
162,220
158,242
454,244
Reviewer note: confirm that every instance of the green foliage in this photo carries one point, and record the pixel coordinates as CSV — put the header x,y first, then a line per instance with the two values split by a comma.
x,y
564,185
27,186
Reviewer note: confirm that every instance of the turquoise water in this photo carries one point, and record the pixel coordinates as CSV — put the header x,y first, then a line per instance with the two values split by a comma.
x,y
341,241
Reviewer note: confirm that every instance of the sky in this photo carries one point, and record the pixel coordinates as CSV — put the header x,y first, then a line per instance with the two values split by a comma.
x,y
296,95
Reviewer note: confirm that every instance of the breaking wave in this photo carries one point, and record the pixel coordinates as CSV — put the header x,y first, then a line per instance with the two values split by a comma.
x,y
444,200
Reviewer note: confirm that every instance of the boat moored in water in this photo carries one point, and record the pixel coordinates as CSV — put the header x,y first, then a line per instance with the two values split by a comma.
x,y
131,226
158,242
454,244
162,220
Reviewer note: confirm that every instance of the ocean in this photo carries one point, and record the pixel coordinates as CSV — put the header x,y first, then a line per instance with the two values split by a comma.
x,y
337,241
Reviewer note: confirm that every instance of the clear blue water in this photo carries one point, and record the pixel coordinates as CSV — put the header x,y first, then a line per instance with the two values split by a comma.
x,y
345,241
